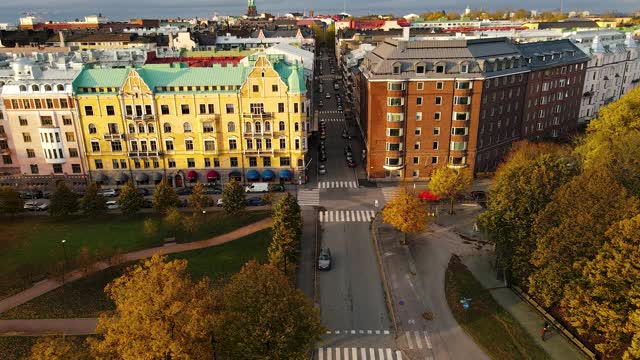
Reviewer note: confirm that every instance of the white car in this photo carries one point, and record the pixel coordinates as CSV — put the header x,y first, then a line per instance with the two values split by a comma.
x,y
322,169
219,202
112,205
35,206
108,192
327,96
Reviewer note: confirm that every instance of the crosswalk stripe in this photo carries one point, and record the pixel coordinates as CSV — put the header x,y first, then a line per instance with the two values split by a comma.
x,y
426,339
381,353
321,354
358,215
346,354
353,215
363,353
342,216
331,216
389,354
329,355
372,353
418,341
409,342
348,217
327,216
354,353
398,355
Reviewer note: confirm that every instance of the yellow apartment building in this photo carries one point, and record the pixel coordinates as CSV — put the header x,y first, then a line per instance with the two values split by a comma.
x,y
247,122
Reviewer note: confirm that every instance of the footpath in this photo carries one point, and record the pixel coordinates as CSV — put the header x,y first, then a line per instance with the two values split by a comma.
x,y
87,325
481,266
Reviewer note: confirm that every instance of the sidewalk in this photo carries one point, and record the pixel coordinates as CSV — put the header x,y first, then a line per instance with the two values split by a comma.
x,y
52,284
44,327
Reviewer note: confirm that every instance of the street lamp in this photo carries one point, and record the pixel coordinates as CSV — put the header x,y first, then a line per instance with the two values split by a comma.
x,y
64,263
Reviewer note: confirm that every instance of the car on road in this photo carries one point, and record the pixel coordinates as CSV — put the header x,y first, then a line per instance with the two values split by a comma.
x,y
30,194
147,204
320,104
336,86
327,96
35,206
254,201
184,191
479,195
112,205
324,259
257,187
340,108
351,163
219,202
322,169
347,150
323,156
143,191
276,188
323,135
108,192
345,134
213,189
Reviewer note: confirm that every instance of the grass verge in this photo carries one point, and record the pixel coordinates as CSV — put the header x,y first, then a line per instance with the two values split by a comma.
x,y
86,298
19,347
490,325
31,248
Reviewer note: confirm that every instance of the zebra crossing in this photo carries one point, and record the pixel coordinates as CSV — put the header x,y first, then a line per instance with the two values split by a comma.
x,y
331,216
388,193
359,332
353,353
338,184
332,120
418,340
308,197
330,112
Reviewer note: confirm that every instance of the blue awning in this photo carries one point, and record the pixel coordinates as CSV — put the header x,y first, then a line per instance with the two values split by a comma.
x,y
268,175
253,175
286,174
235,173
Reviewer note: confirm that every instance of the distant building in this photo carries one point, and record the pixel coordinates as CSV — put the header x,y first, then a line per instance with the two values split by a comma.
x,y
251,8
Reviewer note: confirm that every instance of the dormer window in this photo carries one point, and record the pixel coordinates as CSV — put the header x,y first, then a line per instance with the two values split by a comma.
x,y
464,68
440,69
23,88
60,87
421,68
396,68
35,88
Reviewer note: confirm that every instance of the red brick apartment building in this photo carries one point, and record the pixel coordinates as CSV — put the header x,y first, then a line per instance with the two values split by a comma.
x,y
422,100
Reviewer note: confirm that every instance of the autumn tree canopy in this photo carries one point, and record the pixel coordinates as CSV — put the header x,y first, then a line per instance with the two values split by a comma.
x,y
449,183
407,213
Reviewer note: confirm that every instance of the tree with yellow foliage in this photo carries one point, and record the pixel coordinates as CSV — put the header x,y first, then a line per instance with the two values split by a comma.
x,y
57,348
160,313
406,213
449,183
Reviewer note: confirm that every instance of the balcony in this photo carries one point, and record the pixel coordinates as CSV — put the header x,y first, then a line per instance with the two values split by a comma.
x,y
144,153
5,151
114,136
588,94
258,151
258,134
128,117
393,167
3,136
208,117
149,117
258,116
456,166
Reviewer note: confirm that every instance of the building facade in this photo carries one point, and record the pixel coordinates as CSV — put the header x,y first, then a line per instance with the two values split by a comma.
x,y
245,122
41,133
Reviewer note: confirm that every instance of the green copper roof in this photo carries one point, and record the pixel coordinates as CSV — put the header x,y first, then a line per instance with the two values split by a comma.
x,y
196,76
292,75
92,78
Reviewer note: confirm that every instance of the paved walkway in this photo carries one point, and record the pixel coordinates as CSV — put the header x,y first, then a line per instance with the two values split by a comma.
x,y
71,325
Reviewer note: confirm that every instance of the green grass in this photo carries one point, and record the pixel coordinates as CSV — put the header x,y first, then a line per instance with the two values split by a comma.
x,y
30,246
490,325
85,297
19,347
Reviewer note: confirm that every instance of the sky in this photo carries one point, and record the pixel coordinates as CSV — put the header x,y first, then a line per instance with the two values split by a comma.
x,y
59,10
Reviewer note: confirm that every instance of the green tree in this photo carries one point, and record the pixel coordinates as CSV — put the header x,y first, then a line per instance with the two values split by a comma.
x,y
265,317
164,197
10,202
57,348
191,223
330,38
449,183
93,203
287,229
198,200
523,187
63,201
173,221
233,198
130,200
159,312
601,302
150,228
406,213
570,230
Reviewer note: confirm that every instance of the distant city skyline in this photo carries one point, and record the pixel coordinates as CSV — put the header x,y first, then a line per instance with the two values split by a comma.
x,y
60,10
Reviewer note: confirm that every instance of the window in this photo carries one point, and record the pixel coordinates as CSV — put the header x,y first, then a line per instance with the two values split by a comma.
x,y
116,145
95,146
420,86
171,163
247,127
184,109
216,162
296,143
88,110
187,127
396,68
231,126
249,144
295,107
282,143
280,107
203,108
46,120
395,86
233,145
462,100
191,162
434,145
27,105
209,145
75,168
392,161
395,101
92,129
258,127
113,128
141,128
188,144
143,145
296,126
128,110
151,128
26,137
437,116
416,160
439,85
458,145
459,131
436,131
64,103
415,173
440,69
66,120
168,144
395,117
207,126
71,137
285,161
6,159
139,110
123,163
253,161
110,110
164,109
31,153
274,88
230,108
210,108
34,168
38,103
461,116
255,88
464,68
266,161
23,121
434,160
419,100
267,126
153,145
394,132
73,152
417,131
438,100
394,147
256,108
98,164
281,126
233,162
57,168
463,85
147,110
416,145
419,116
49,103
420,69
35,88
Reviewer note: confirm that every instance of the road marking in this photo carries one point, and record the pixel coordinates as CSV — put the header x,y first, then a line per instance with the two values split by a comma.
x,y
348,217
329,355
398,355
369,332
354,353
346,354
327,216
342,216
418,341
358,215
427,340
322,219
409,342
331,216
377,332
381,354
321,354
386,332
389,354
338,354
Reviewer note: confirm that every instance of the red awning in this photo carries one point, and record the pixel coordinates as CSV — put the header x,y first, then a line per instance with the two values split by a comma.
x,y
192,175
213,175
427,195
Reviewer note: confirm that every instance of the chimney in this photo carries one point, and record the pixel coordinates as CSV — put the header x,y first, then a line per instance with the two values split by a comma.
x,y
406,31
61,35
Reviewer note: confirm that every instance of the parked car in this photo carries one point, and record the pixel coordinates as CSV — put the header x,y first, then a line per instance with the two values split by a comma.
x,y
183,203
184,191
143,191
213,189
147,204
322,169
347,150
254,201
112,205
320,104
46,194
479,195
336,86
35,206
324,259
108,192
219,202
345,134
340,108
351,163
323,156
30,194
277,188
257,187
327,96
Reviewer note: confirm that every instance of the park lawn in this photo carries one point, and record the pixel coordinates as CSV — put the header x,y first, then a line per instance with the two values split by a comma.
x,y
86,298
19,347
31,248
491,326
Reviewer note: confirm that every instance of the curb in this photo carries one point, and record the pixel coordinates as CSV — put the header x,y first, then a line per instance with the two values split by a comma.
x,y
383,274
